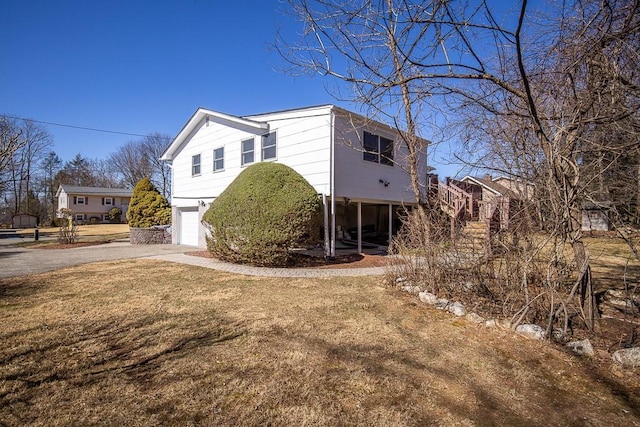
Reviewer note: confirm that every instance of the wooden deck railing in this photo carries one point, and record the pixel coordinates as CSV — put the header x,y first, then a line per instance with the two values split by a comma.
x,y
454,200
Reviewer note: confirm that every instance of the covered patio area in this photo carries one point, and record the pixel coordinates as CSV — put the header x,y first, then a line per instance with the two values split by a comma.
x,y
363,226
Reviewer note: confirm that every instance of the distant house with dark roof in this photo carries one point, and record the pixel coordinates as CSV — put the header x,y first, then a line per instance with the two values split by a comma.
x,y
92,204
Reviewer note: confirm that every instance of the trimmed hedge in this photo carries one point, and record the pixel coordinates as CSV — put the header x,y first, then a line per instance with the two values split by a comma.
x,y
267,210
148,207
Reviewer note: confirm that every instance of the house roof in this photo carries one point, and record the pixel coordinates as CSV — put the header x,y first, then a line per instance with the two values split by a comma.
x,y
491,185
94,191
202,115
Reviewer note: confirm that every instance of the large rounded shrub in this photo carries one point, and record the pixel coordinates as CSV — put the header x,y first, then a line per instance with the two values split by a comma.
x,y
267,210
148,207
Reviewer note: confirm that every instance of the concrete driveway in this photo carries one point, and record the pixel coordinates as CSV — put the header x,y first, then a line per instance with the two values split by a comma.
x,y
17,261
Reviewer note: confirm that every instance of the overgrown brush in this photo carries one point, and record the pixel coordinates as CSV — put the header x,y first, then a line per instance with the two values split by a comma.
x,y
518,275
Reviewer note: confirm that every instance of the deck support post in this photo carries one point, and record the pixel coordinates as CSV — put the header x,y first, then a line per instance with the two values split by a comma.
x,y
359,227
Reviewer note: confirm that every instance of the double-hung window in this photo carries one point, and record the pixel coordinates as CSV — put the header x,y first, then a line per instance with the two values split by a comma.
x,y
79,200
247,151
195,165
377,149
107,201
218,159
269,151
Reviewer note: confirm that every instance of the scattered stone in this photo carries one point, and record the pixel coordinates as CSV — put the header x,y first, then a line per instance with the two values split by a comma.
x,y
616,293
581,348
531,331
428,298
411,289
442,303
401,279
457,309
491,323
475,318
620,300
628,357
469,286
503,323
558,334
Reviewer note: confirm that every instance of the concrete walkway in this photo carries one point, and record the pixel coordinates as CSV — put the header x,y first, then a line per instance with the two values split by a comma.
x,y
17,261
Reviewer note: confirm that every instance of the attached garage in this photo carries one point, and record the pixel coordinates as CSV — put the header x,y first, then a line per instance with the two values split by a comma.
x,y
189,227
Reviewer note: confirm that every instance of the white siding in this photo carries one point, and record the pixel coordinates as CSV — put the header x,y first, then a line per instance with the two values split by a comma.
x,y
302,144
357,178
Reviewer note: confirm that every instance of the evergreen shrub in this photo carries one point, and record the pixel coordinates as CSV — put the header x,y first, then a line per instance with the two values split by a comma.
x,y
148,207
264,213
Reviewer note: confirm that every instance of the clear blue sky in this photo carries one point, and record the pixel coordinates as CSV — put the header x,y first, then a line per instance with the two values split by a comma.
x,y
142,66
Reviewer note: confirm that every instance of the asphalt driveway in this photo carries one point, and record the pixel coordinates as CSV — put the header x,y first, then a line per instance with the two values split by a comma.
x,y
17,261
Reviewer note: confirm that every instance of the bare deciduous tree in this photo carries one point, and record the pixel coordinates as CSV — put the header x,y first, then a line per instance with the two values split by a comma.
x,y
556,78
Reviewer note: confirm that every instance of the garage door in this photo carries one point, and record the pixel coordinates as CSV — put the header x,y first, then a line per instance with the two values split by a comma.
x,y
189,223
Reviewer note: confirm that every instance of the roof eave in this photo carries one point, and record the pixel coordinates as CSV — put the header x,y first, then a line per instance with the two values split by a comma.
x,y
200,115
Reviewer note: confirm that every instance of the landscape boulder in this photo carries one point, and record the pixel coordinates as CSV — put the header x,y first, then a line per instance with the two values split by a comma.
x,y
628,357
427,298
531,331
581,348
457,309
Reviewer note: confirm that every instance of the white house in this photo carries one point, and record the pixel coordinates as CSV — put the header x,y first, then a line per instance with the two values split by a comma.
x,y
92,204
355,165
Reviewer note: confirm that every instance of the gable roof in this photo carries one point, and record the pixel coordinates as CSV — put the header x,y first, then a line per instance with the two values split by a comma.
x,y
94,191
203,114
491,185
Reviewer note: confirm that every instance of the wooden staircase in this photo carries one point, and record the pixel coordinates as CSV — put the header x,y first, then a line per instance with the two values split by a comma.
x,y
472,219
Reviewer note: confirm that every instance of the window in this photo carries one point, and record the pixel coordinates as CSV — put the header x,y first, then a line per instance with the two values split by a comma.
x,y
195,165
377,149
247,151
79,217
107,201
218,159
269,146
105,218
80,200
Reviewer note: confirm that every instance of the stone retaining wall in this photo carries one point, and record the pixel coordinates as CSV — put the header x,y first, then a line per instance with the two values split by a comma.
x,y
149,236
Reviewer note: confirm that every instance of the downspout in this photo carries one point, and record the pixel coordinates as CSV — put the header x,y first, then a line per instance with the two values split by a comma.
x,y
332,186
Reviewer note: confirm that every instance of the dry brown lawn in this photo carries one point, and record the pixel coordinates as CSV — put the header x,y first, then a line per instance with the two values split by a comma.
x,y
144,342
83,230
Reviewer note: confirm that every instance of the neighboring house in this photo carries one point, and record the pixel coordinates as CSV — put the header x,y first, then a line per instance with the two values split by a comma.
x,y
92,204
485,199
353,163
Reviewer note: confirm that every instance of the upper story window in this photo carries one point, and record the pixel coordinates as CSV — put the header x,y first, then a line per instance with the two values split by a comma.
x,y
377,149
269,146
218,159
247,151
80,200
108,201
195,165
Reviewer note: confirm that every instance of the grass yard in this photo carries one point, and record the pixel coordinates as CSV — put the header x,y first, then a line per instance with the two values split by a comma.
x,y
144,342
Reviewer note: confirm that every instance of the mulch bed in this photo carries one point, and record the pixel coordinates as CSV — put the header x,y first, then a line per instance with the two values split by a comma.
x,y
341,261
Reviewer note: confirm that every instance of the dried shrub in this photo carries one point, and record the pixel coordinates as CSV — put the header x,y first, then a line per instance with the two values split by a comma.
x,y
68,231
518,275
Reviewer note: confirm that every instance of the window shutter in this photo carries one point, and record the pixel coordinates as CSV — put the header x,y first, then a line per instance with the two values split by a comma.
x,y
75,199
103,200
